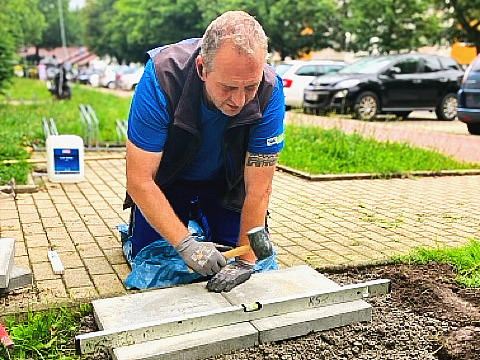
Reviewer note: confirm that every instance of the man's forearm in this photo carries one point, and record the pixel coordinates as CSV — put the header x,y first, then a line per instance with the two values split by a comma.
x,y
253,215
157,210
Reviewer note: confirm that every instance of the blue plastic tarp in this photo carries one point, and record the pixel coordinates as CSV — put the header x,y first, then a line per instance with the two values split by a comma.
x,y
160,265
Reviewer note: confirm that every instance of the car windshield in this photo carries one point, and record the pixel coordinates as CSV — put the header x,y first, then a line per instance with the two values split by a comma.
x,y
282,68
366,66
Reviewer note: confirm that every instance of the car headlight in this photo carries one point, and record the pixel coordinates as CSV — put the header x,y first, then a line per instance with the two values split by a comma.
x,y
346,84
341,94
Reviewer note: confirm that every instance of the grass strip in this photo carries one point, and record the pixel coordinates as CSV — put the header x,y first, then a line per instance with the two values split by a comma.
x,y
318,151
466,260
45,334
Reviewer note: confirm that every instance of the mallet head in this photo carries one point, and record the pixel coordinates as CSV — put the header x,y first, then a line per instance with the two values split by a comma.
x,y
260,242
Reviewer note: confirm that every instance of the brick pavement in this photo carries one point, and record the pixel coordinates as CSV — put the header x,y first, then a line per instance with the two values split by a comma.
x,y
316,223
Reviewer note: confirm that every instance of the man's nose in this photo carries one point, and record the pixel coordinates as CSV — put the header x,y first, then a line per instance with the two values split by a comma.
x,y
238,98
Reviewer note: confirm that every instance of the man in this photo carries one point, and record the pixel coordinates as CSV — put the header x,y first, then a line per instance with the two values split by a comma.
x,y
205,127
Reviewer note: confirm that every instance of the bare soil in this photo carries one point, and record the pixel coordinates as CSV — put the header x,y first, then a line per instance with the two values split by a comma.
x,y
426,316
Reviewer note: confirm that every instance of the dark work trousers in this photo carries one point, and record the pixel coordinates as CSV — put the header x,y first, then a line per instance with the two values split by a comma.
x,y
191,201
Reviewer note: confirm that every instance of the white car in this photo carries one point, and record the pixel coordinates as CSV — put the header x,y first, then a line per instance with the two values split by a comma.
x,y
297,74
129,80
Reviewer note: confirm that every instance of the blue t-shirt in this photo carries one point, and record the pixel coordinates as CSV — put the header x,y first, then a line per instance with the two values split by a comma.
x,y
149,120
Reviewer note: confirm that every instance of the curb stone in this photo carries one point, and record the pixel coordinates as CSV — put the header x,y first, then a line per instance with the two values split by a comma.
x,y
370,176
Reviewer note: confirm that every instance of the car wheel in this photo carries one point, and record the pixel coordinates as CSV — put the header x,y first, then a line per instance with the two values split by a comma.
x,y
366,106
473,129
447,110
402,114
111,85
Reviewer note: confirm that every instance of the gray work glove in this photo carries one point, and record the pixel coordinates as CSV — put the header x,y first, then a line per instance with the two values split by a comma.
x,y
230,276
200,256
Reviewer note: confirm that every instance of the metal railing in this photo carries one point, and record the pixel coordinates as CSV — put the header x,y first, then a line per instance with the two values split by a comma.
x,y
90,127
49,127
121,128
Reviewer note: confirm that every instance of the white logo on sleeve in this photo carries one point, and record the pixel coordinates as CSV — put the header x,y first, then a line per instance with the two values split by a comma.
x,y
275,140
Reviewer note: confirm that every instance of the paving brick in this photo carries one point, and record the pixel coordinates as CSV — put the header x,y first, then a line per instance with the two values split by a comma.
x,y
70,259
78,277
38,254
57,233
108,284
37,240
89,250
63,245
51,290
23,261
82,237
98,265
122,270
108,242
20,249
83,293
115,256
43,271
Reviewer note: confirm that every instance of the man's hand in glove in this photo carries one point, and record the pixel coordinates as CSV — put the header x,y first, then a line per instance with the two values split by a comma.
x,y
230,276
200,256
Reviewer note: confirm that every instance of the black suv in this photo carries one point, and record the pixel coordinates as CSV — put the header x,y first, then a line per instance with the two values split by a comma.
x,y
469,98
396,84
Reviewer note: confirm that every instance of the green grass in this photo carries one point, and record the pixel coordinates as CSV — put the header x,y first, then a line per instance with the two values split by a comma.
x,y
318,151
466,260
45,334
26,89
21,121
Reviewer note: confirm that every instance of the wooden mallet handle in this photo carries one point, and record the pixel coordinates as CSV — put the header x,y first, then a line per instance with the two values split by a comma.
x,y
241,250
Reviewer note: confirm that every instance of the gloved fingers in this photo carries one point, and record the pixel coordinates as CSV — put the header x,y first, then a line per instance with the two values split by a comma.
x,y
215,268
217,283
221,260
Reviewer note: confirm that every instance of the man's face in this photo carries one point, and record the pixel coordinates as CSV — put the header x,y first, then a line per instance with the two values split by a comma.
x,y
233,80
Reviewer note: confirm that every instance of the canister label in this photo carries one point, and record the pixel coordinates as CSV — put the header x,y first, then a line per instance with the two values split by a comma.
x,y
66,161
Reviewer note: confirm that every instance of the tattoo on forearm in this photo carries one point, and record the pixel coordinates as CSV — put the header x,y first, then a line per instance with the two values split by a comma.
x,y
262,160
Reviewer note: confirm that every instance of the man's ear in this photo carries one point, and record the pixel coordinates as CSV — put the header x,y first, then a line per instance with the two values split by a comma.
x,y
199,61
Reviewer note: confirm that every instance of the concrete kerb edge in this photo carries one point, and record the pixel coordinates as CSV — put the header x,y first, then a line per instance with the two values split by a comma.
x,y
36,306
371,176
34,186
367,264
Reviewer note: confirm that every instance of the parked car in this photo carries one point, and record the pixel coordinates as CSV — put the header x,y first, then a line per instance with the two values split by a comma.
x,y
397,84
469,98
297,74
86,74
108,78
130,79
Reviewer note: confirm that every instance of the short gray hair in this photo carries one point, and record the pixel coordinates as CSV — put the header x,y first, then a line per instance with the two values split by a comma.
x,y
241,28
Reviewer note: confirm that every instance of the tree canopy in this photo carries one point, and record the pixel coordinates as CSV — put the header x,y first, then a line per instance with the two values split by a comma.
x,y
465,19
21,24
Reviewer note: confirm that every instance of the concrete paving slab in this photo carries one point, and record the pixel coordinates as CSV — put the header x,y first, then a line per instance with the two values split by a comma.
x,y
301,323
196,345
155,305
280,283
20,277
7,255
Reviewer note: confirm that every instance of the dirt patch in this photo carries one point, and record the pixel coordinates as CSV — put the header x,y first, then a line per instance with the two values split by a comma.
x,y
429,290
426,316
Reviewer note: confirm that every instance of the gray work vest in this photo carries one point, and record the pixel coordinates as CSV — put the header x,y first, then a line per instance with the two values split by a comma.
x,y
178,78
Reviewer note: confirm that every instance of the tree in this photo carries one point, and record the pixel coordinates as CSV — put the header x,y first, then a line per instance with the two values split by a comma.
x,y
20,24
465,15
97,14
293,26
50,37
390,25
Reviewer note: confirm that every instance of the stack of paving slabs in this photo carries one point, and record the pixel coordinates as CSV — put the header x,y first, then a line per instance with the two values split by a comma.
x,y
188,322
12,277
